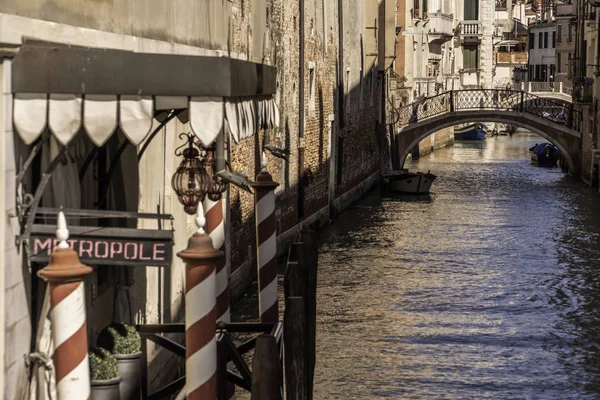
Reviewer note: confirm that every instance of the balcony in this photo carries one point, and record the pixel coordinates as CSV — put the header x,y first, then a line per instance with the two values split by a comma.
x,y
434,57
441,27
517,57
471,31
470,78
424,86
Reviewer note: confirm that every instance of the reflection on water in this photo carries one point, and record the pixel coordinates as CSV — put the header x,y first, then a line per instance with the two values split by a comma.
x,y
487,289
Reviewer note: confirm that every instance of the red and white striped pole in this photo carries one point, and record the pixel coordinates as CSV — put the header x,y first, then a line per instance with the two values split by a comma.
x,y
65,275
215,228
200,313
266,243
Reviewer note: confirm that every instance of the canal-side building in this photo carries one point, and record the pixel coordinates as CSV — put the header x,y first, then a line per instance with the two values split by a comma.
x,y
542,48
583,68
565,42
98,135
454,43
451,45
424,57
482,24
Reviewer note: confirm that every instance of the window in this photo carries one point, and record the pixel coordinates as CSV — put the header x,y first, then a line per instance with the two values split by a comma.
x,y
553,39
530,72
570,34
424,7
545,40
540,41
531,41
470,57
552,72
558,63
416,6
471,10
559,33
537,72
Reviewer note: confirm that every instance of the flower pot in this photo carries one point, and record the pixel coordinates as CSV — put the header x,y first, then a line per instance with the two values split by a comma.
x,y
131,376
106,390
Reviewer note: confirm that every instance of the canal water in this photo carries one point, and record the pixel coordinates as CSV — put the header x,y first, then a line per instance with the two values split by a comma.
x,y
488,289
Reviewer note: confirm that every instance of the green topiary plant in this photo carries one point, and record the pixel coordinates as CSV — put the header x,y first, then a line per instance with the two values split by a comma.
x,y
103,366
120,338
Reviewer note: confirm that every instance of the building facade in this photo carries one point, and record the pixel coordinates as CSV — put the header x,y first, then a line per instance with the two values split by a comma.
x,y
451,45
101,134
583,70
565,42
542,51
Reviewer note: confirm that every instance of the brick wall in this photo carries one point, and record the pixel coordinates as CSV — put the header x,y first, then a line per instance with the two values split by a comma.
x,y
360,153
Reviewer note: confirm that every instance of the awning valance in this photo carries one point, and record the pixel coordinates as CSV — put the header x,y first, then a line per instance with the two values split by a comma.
x,y
64,115
98,90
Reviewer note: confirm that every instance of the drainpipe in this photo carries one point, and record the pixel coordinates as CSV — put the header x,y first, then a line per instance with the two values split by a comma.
x,y
382,76
341,119
337,119
301,73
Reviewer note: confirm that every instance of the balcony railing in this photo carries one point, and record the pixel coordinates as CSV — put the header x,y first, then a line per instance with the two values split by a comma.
x,y
520,57
441,24
424,86
470,30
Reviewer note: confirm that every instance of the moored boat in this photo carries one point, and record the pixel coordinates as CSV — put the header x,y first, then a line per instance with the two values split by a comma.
x,y
409,182
544,155
470,132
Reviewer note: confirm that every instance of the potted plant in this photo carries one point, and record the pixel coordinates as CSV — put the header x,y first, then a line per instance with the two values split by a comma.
x,y
124,342
104,375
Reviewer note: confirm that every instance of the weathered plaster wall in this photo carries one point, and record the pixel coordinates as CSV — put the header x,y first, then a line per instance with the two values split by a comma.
x,y
15,311
587,144
197,23
442,138
3,219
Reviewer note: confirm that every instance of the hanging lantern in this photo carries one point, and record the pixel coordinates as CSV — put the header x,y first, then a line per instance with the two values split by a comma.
x,y
218,184
191,182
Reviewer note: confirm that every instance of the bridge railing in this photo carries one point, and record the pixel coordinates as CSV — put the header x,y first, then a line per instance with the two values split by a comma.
x,y
425,108
490,99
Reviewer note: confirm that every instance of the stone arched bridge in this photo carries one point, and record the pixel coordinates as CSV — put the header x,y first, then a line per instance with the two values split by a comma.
x,y
558,122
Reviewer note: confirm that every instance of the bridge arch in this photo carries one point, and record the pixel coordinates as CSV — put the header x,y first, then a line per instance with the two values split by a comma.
x,y
419,120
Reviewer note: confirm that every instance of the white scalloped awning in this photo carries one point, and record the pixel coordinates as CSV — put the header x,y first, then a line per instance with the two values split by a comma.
x,y
65,114
246,116
99,115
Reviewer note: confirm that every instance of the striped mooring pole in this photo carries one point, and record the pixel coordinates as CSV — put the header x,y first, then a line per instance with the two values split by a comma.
x,y
65,275
200,258
266,243
215,228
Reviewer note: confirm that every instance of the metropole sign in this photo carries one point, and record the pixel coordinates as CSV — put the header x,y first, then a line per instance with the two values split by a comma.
x,y
106,245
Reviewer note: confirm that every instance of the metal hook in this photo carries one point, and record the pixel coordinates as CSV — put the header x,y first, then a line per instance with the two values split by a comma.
x,y
188,143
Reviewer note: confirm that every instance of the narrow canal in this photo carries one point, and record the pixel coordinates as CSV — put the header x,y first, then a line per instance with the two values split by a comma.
x,y
490,289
